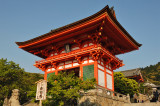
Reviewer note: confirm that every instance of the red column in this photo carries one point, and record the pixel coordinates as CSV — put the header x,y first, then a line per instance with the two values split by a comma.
x,y
45,75
81,70
55,66
112,81
105,80
96,70
56,72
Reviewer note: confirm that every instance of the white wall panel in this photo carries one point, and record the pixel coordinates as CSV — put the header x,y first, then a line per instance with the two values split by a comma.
x,y
68,62
85,45
48,70
60,64
75,48
63,51
101,67
102,63
75,64
61,67
85,62
109,81
69,65
101,81
108,71
53,69
90,44
51,54
90,61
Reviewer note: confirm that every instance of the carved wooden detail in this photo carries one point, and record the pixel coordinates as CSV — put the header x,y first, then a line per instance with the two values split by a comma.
x,y
79,42
54,64
41,66
109,60
79,59
97,54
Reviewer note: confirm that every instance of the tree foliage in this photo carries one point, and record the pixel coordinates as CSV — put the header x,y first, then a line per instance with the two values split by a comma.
x,y
63,89
12,76
125,85
152,73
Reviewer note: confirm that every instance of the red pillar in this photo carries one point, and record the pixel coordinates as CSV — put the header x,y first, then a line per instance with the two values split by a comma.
x,y
96,70
105,80
45,75
81,70
112,81
56,72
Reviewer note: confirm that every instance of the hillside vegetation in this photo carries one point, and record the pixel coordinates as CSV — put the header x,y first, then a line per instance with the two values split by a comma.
x,y
14,77
152,73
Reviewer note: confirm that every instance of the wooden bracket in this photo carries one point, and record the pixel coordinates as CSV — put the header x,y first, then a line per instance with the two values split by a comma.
x,y
108,61
79,59
117,65
95,37
78,42
41,66
54,64
55,48
45,52
97,54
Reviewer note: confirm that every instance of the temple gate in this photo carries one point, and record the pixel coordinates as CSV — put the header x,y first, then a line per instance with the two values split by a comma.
x,y
88,47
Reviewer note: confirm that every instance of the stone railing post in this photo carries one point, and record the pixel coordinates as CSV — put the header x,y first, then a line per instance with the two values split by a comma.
x,y
124,98
117,96
128,98
112,95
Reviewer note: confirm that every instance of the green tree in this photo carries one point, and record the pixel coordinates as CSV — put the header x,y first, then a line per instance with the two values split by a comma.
x,y
63,89
12,76
125,85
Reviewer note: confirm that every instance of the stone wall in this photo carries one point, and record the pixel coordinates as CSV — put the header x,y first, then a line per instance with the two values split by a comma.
x,y
142,104
103,97
141,98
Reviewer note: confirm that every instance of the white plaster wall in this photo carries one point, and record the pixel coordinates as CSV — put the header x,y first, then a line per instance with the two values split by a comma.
x,y
108,71
109,81
101,81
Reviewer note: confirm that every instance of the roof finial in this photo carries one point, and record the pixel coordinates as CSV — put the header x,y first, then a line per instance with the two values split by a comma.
x,y
112,11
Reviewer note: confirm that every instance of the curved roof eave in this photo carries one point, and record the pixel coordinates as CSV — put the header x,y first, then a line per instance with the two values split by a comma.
x,y
105,9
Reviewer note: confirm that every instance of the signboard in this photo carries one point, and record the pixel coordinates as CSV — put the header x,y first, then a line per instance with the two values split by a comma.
x,y
41,90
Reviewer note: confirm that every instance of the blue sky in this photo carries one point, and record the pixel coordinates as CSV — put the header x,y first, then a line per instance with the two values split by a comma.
x,y
22,20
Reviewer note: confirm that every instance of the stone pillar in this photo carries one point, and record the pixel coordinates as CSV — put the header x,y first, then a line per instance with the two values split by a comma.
x,y
128,98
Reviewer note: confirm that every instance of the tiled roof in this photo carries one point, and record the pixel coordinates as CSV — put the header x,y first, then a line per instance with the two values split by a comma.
x,y
105,9
132,72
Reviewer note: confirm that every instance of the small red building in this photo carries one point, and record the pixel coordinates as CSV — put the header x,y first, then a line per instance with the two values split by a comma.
x,y
134,74
88,47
